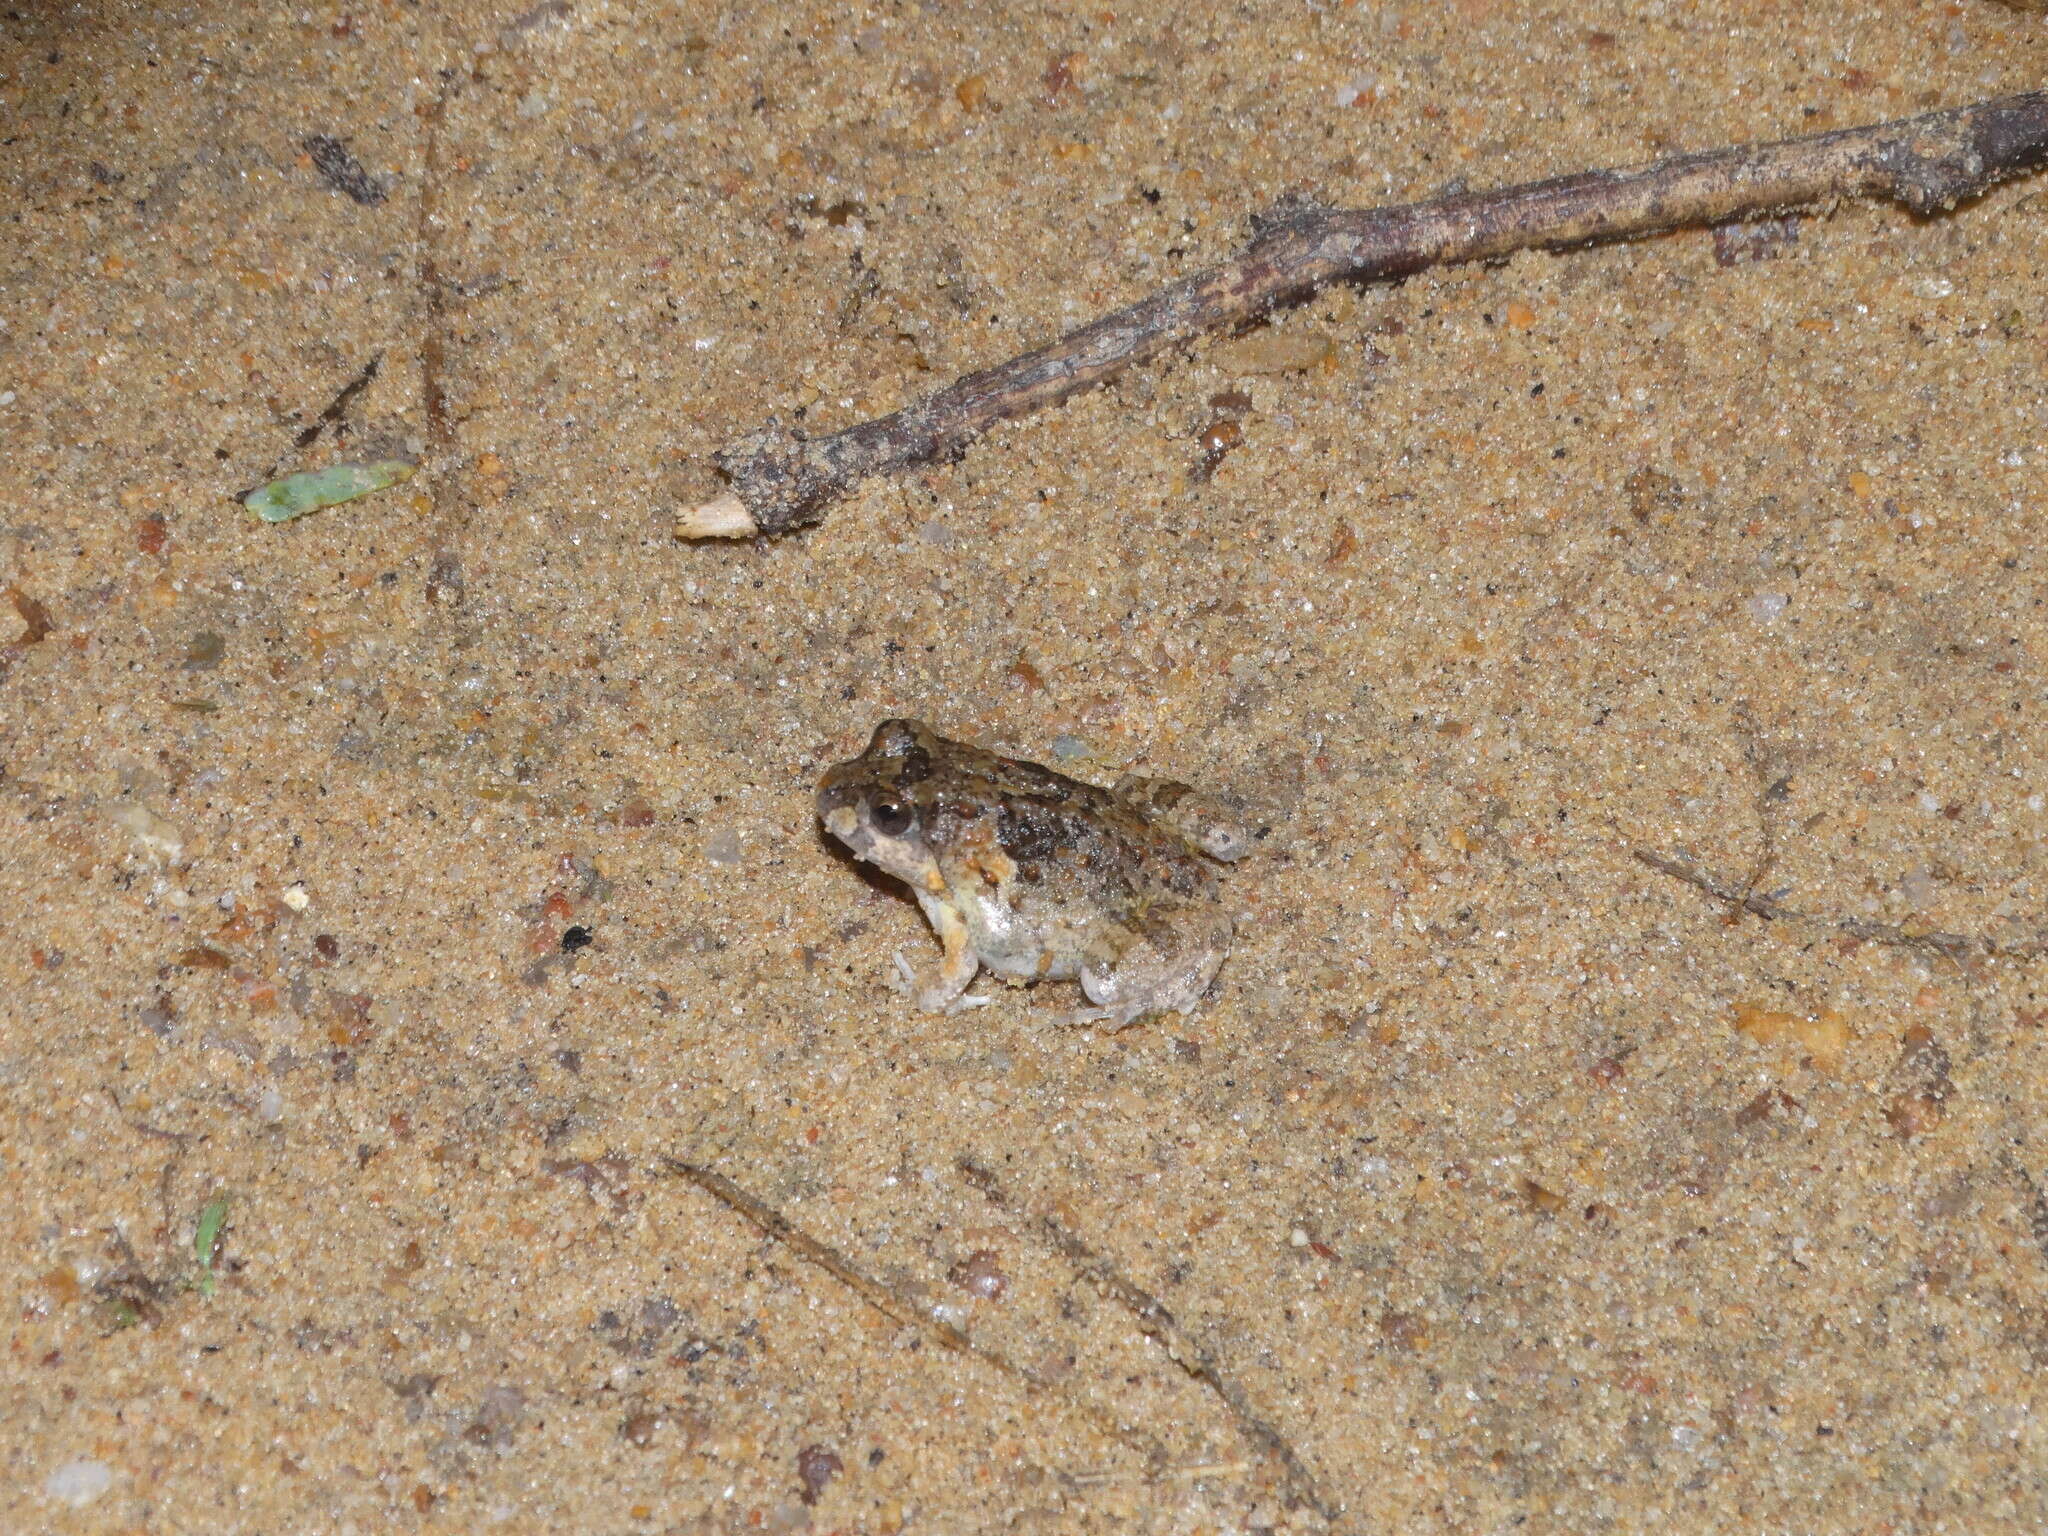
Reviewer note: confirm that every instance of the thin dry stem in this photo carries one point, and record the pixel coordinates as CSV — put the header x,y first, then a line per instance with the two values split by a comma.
x,y
1962,948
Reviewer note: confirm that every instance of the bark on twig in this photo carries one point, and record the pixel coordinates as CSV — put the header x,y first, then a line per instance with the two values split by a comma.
x,y
782,480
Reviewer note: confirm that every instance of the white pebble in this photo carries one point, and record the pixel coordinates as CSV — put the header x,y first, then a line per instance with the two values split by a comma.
x,y
1767,606
78,1483
1353,91
295,896
723,847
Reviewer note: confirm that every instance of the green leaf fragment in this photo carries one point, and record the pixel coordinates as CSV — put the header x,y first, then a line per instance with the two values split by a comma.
x,y
213,1216
296,495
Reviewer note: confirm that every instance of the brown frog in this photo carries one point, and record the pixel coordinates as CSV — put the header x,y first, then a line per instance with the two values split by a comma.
x,y
1038,876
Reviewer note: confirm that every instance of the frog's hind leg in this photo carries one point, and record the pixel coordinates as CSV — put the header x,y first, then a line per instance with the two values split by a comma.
x,y
1146,982
1206,822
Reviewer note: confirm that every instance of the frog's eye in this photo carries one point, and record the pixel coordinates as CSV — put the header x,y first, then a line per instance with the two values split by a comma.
x,y
891,819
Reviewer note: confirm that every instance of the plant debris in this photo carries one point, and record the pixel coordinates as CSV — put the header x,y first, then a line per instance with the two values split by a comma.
x,y
206,1240
310,490
782,480
342,170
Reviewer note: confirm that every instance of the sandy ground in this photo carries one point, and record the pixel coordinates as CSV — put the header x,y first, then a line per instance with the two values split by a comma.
x,y
1506,1183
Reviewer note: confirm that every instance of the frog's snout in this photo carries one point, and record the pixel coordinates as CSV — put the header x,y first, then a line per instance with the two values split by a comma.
x,y
839,820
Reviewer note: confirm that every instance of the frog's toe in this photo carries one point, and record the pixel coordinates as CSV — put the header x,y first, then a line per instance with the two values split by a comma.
x,y
905,979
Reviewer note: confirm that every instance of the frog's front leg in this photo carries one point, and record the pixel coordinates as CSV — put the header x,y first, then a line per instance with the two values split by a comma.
x,y
941,991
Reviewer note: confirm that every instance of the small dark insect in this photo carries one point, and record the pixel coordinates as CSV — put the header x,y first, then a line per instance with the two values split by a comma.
x,y
577,938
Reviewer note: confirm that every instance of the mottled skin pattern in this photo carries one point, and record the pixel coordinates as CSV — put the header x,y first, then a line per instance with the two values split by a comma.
x,y
1038,876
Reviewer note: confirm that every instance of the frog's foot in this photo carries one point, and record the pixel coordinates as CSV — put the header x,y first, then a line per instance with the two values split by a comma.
x,y
939,992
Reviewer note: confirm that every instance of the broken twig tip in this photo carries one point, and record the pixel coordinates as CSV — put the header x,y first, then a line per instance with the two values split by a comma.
x,y
725,518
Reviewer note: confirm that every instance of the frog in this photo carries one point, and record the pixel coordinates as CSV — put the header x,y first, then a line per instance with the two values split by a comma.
x,y
1033,876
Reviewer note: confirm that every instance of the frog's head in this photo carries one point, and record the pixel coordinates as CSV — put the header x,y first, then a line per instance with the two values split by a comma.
x,y
872,802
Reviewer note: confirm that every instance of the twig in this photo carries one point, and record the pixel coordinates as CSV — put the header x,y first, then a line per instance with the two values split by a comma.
x,y
778,1226
1159,1325
885,1301
337,408
782,480
1771,789
451,514
1962,948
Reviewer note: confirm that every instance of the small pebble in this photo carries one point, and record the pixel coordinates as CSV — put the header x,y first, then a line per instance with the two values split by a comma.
x,y
295,896
152,832
78,1483
1351,92
1768,606
980,1274
1220,436
1824,1035
816,1465
723,847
